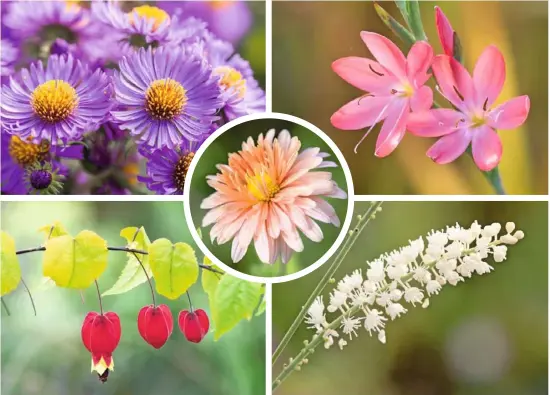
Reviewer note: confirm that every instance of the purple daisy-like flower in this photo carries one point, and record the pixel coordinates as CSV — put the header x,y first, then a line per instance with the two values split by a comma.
x,y
8,58
241,93
38,23
167,168
61,101
166,96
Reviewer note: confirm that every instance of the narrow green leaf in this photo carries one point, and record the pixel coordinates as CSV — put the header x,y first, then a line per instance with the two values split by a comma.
x,y
133,275
261,308
399,30
174,266
402,5
415,20
457,48
9,265
235,299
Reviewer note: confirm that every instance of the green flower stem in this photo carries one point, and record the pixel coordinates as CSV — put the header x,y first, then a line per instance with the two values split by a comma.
x,y
415,20
354,234
495,180
295,364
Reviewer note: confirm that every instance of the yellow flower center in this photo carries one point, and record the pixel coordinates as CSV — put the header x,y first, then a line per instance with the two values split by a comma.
x,y
231,78
262,186
478,120
217,5
181,169
154,14
165,99
131,171
25,154
54,100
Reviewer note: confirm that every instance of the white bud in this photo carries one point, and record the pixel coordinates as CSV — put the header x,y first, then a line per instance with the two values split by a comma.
x,y
510,226
508,239
519,235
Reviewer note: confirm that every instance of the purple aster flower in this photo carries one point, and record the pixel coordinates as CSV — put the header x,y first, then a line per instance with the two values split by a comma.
x,y
39,23
23,159
61,101
8,58
165,96
228,20
167,168
241,93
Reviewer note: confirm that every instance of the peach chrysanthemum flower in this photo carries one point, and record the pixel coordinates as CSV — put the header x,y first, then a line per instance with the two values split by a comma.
x,y
268,192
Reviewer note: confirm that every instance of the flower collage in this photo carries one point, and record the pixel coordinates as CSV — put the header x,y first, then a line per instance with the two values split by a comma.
x,y
274,197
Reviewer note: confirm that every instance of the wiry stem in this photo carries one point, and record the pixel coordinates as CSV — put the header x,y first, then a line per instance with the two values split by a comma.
x,y
99,297
5,306
190,304
350,241
144,271
30,296
296,362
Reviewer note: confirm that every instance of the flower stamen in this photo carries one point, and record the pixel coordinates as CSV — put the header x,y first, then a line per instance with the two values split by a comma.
x,y
231,78
54,100
165,99
375,72
262,186
27,153
153,14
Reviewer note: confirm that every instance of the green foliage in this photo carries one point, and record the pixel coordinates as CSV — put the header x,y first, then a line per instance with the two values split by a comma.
x,y
75,262
398,29
54,230
9,265
234,300
133,275
174,267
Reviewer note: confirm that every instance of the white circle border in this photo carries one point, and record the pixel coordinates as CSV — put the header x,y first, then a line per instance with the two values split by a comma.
x,y
345,226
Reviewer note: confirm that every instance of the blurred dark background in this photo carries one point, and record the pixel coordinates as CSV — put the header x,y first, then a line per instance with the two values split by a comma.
x,y
487,336
45,354
217,153
308,36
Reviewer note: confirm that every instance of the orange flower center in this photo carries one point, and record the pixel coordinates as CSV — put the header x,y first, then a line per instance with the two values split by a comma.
x,y
152,14
54,100
262,186
165,99
231,78
218,4
25,154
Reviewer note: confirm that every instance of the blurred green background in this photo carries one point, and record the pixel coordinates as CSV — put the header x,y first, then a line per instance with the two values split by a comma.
x,y
45,354
308,36
487,336
217,153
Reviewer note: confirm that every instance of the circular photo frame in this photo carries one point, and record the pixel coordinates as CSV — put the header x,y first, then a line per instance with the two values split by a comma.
x,y
268,198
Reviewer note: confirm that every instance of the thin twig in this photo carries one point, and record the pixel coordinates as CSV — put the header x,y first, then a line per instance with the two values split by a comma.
x,y
190,304
30,296
36,249
5,306
99,297
148,279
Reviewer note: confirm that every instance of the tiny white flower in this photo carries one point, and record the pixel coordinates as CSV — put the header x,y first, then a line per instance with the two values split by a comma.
x,y
475,228
316,313
383,299
426,303
433,287
454,250
499,253
508,239
394,310
483,268
510,226
369,286
422,275
350,325
396,272
413,295
396,294
452,277
417,245
374,321
490,231
382,336
342,343
376,271
519,235
337,300
437,238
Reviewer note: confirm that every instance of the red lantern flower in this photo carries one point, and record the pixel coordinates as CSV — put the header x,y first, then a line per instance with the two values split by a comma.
x,y
194,324
100,335
155,324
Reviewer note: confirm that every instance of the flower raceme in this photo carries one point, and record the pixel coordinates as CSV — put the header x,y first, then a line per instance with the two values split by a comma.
x,y
101,335
408,276
155,324
395,86
194,324
266,193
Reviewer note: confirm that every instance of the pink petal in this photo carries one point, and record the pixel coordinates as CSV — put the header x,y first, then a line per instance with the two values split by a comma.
x,y
422,99
363,74
489,75
486,148
445,32
394,128
360,113
464,82
450,147
445,76
434,123
510,114
419,61
386,52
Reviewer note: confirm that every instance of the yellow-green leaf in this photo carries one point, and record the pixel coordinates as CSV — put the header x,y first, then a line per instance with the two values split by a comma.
x,y
133,275
261,307
174,266
9,265
75,262
54,230
234,300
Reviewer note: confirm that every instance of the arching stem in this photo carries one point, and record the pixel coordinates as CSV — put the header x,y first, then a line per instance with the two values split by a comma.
x,y
30,295
99,297
190,304
5,306
148,279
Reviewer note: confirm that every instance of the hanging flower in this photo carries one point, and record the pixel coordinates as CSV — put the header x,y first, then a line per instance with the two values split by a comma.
x,y
194,324
395,87
155,324
266,193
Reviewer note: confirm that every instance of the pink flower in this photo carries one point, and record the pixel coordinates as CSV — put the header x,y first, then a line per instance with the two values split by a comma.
x,y
266,193
395,86
445,32
473,121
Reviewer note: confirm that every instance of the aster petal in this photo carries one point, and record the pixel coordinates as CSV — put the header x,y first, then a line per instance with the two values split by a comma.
x,y
450,147
489,76
361,113
486,148
394,128
386,53
511,114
